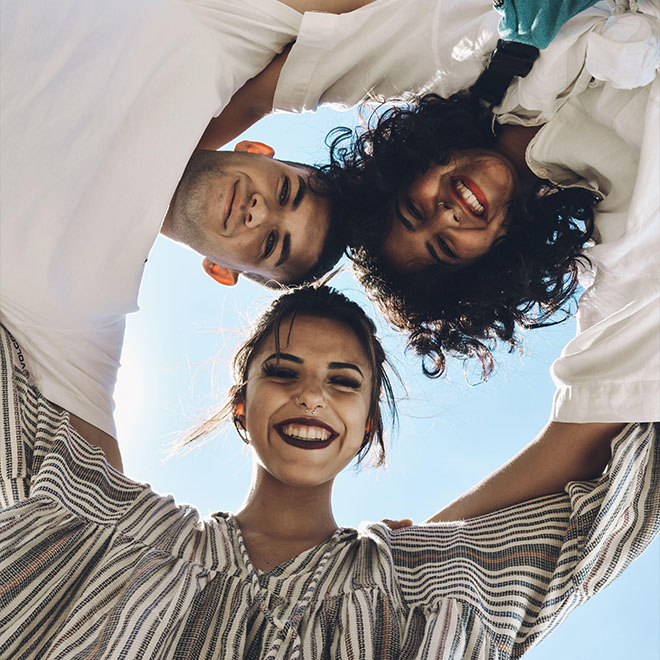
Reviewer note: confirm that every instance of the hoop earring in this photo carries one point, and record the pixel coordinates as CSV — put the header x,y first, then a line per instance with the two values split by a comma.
x,y
241,430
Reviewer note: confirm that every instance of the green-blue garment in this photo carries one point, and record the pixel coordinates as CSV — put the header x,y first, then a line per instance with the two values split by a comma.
x,y
536,22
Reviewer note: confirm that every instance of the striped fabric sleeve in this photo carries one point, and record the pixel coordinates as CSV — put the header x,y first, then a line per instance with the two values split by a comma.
x,y
522,570
16,454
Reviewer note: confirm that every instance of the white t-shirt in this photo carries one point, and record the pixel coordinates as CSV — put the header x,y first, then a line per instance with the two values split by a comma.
x,y
603,132
102,105
592,86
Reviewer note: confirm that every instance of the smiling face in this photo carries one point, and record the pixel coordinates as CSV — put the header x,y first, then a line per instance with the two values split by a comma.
x,y
321,367
451,213
249,213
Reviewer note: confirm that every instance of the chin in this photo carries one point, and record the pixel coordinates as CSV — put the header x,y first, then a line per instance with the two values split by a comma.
x,y
302,478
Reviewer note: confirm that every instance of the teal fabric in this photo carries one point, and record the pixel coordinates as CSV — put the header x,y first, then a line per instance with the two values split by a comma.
x,y
536,22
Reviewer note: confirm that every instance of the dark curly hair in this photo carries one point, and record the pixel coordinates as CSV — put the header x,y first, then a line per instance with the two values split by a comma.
x,y
526,277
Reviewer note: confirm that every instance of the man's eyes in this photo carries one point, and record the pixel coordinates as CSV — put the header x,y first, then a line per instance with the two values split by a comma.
x,y
285,190
271,242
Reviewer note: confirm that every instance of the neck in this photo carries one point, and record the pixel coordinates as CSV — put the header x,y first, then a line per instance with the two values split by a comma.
x,y
512,142
288,513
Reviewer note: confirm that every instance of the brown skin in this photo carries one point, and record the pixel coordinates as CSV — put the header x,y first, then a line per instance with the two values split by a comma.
x,y
97,438
562,452
431,221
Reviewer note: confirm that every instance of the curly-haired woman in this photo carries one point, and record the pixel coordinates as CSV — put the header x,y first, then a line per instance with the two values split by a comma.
x,y
578,140
467,224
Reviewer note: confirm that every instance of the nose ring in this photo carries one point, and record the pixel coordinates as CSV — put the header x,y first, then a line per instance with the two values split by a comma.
x,y
304,405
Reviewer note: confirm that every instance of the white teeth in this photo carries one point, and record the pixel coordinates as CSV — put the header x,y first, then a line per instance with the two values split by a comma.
x,y
468,196
300,432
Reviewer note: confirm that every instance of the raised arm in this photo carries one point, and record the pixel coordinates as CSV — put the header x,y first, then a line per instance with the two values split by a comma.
x,y
560,453
248,105
255,99
499,584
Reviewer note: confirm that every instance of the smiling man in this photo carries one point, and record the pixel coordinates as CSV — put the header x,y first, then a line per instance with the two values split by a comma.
x,y
249,213
102,106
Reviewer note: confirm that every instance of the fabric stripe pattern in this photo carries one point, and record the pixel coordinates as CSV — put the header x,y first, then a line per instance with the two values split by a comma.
x,y
96,565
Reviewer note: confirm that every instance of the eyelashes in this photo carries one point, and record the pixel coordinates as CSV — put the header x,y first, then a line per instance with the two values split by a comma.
x,y
271,370
278,372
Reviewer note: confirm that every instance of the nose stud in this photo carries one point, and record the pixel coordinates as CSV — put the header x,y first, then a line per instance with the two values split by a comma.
x,y
304,405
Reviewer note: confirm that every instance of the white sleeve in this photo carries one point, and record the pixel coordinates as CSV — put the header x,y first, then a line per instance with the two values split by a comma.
x,y
386,49
621,50
610,372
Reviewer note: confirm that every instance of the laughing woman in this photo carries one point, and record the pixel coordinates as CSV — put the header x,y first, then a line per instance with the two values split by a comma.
x,y
467,224
472,224
94,564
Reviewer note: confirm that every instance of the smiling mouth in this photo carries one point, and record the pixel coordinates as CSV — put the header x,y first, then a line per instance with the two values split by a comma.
x,y
306,433
470,196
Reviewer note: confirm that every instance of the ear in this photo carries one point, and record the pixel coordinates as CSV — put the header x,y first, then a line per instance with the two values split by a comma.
x,y
255,148
224,276
239,412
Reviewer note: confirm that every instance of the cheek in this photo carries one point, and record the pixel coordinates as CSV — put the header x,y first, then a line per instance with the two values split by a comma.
x,y
355,420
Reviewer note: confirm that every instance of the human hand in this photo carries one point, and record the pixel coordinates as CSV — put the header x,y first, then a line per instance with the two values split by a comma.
x,y
398,524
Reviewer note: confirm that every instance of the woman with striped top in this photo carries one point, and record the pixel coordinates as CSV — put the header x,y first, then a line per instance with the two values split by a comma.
x,y
95,565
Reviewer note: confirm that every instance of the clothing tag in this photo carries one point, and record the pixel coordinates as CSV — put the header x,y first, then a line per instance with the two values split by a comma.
x,y
18,358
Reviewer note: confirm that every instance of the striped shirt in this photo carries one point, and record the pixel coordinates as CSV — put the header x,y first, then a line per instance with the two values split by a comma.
x,y
96,565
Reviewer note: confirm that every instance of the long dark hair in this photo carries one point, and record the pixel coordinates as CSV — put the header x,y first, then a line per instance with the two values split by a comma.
x,y
327,303
526,277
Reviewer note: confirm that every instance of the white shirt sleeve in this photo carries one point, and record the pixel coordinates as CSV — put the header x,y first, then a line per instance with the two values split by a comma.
x,y
101,107
386,49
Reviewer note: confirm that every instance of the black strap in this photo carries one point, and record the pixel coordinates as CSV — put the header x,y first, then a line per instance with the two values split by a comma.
x,y
509,59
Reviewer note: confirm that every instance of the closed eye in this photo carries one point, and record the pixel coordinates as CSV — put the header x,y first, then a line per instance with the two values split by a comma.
x,y
413,210
446,249
270,370
402,219
346,381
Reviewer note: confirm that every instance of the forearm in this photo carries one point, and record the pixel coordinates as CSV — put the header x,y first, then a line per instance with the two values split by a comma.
x,y
248,105
559,454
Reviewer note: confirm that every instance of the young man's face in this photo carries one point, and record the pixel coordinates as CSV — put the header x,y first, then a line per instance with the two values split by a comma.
x,y
247,212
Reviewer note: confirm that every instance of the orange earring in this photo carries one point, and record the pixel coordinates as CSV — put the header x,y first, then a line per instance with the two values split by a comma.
x,y
239,416
367,430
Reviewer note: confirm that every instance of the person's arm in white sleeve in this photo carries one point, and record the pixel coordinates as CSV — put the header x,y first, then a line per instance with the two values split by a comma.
x,y
248,105
255,99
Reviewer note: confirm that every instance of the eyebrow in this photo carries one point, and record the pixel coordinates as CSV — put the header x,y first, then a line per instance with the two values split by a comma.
x,y
286,249
345,365
297,360
284,356
302,190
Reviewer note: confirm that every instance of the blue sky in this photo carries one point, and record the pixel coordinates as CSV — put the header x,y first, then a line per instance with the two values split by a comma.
x,y
176,369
